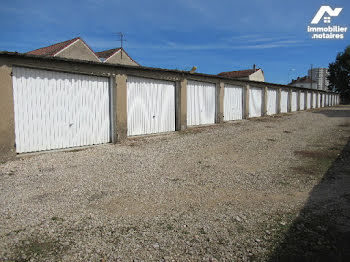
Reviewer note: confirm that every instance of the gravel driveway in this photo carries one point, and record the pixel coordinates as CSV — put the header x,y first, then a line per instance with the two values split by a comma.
x,y
224,192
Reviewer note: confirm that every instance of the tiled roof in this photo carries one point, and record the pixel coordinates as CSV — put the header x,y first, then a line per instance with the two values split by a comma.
x,y
304,79
107,53
238,74
53,49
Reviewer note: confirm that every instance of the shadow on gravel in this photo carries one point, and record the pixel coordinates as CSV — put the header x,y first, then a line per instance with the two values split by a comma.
x,y
322,230
338,111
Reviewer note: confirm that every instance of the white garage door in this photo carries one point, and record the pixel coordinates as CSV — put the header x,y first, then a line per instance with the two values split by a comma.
x,y
302,101
200,103
255,102
284,101
331,99
313,100
323,100
294,101
319,100
150,106
233,103
271,101
308,100
59,110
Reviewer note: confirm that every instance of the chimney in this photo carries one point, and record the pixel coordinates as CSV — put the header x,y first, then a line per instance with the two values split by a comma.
x,y
254,66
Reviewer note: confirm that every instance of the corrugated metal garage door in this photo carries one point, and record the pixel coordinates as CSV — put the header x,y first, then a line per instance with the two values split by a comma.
x,y
302,101
319,100
313,100
271,101
323,100
294,101
150,106
233,103
255,102
331,100
308,100
59,110
284,101
200,103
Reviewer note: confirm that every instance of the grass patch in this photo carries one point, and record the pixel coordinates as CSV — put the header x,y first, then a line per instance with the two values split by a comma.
x,y
303,170
191,131
38,249
316,163
315,154
308,232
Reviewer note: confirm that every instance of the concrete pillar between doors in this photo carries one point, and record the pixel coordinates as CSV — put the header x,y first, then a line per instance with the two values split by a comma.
x,y
183,104
120,94
290,100
246,101
264,111
220,102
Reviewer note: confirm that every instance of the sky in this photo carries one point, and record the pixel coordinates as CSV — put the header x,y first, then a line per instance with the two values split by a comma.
x,y
215,36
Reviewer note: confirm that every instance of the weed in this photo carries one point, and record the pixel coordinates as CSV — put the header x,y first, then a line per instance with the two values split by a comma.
x,y
57,219
240,228
202,231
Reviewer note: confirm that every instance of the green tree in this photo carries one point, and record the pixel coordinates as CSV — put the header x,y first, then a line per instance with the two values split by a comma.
x,y
339,75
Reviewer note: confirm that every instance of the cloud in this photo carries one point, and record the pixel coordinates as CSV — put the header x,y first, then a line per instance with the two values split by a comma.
x,y
223,46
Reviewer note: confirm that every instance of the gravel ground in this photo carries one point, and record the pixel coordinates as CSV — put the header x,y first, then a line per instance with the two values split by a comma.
x,y
215,193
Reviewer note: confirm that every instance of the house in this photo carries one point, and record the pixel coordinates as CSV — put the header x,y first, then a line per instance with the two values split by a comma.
x,y
254,74
304,82
116,56
76,48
